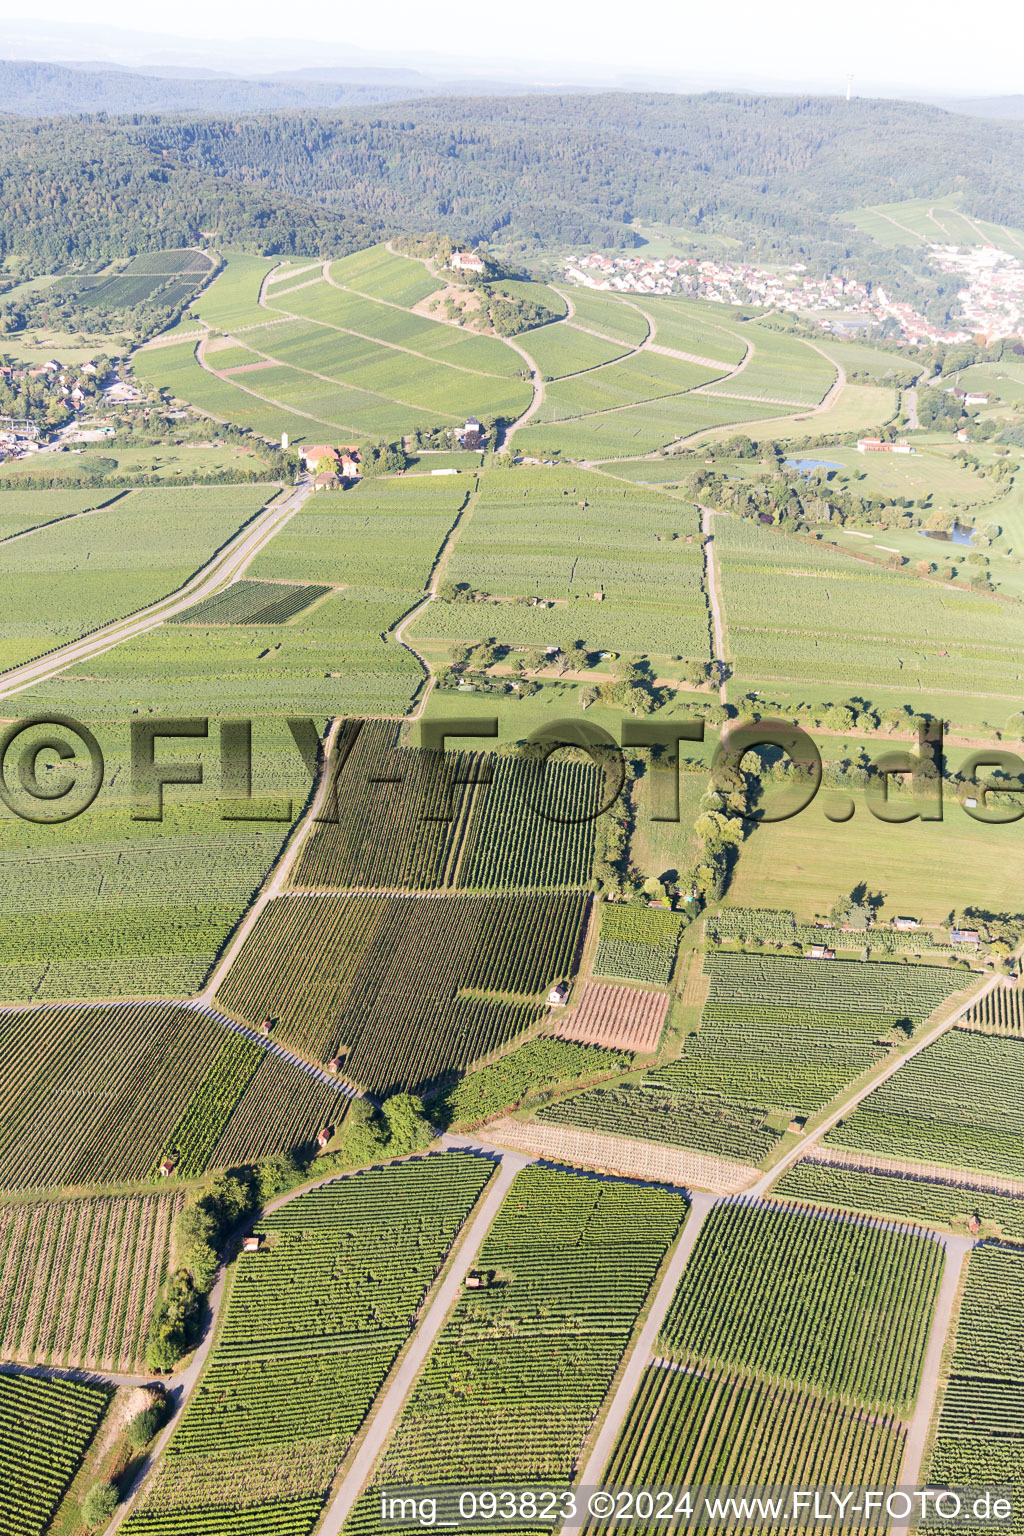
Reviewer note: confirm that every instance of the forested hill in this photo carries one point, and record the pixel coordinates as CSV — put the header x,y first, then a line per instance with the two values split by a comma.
x,y
578,169
84,190
527,172
32,88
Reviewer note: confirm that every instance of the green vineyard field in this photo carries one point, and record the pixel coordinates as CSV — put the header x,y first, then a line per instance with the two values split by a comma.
x,y
314,1322
542,542
790,1033
522,1367
637,943
927,1200
45,1430
780,1294
719,1427
979,1437
648,1111
404,989
960,1102
530,1068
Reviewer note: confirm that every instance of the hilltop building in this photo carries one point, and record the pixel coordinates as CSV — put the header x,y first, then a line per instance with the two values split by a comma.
x,y
466,261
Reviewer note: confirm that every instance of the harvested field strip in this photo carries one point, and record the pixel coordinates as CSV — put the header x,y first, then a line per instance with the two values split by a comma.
x,y
618,1155
626,1018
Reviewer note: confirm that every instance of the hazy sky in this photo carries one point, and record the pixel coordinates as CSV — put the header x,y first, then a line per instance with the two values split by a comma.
x,y
939,47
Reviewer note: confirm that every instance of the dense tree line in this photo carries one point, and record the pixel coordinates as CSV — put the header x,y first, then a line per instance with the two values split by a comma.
x,y
77,192
523,172
583,169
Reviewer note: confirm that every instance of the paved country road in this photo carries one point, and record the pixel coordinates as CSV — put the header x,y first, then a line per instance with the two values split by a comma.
x,y
223,567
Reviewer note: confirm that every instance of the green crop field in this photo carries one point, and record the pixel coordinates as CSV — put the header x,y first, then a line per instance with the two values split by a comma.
x,y
314,1322
411,819
24,509
930,1201
619,317
231,299
958,1102
45,1431
858,357
404,989
637,944
94,1095
790,1354
651,1111
107,906
378,543
395,279
521,1368
639,429
978,1437
531,1068
80,574
81,1278
791,1033
841,622
564,349
794,1298
541,543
